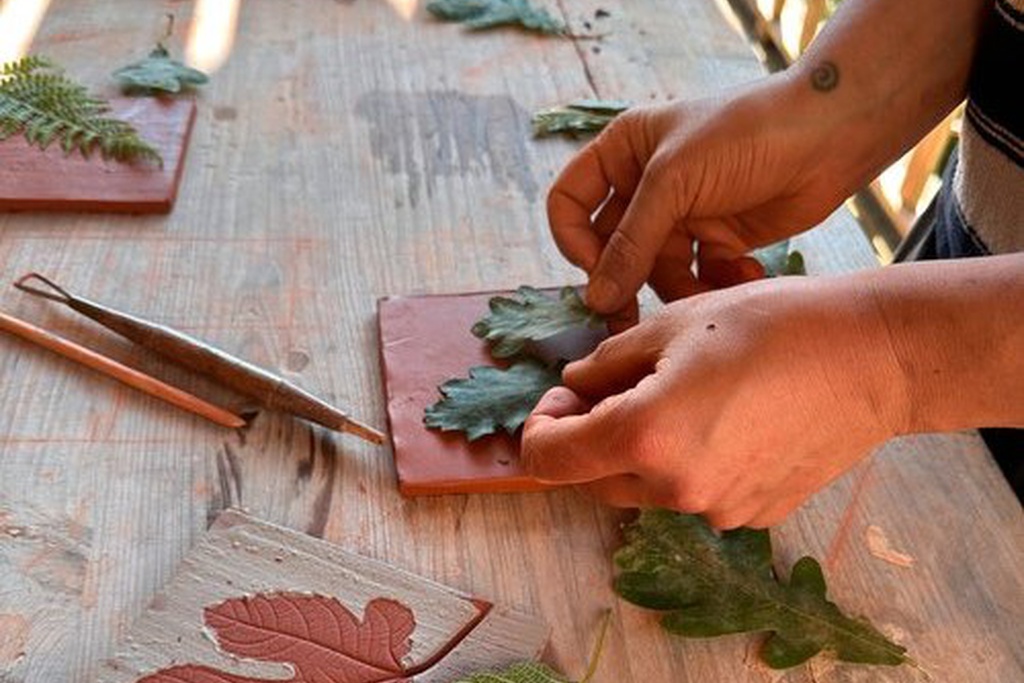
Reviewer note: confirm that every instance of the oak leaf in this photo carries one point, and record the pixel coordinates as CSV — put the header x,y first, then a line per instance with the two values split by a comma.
x,y
157,74
579,117
491,398
483,14
711,585
530,315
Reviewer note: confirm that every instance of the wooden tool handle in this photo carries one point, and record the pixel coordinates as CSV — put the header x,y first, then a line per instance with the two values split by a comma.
x,y
122,373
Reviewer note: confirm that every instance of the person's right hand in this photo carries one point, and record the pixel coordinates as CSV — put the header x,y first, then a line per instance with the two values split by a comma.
x,y
706,180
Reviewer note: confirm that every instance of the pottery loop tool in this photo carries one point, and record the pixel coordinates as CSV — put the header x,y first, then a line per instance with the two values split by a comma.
x,y
266,388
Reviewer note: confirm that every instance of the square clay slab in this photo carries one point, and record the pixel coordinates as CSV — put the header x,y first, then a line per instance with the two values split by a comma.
x,y
425,341
289,593
32,179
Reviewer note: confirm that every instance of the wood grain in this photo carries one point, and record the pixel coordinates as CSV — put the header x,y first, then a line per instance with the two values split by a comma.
x,y
32,179
344,153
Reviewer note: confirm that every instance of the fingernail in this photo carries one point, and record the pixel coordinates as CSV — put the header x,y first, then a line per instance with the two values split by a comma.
x,y
603,293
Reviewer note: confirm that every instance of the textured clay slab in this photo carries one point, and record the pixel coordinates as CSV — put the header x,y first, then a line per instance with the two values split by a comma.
x,y
254,602
47,180
425,340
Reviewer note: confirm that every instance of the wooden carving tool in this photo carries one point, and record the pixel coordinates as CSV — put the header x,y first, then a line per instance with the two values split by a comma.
x,y
118,371
234,373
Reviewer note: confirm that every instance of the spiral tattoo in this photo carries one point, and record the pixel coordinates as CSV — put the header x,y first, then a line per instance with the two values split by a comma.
x,y
825,77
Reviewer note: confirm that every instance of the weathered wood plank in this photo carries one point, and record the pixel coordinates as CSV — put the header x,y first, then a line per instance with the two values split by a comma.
x,y
344,153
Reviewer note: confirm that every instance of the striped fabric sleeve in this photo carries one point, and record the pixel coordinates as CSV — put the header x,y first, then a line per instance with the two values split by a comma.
x,y
989,181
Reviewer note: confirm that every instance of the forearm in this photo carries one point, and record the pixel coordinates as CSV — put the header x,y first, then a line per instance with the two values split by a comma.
x,y
956,335
881,74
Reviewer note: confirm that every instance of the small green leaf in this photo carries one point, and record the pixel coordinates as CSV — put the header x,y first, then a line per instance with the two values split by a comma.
x,y
778,260
491,398
484,14
527,672
530,315
157,74
579,117
711,584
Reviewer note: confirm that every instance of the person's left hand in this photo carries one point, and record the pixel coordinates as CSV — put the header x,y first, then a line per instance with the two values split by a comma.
x,y
737,404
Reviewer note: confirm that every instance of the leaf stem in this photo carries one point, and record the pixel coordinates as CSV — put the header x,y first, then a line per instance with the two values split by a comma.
x,y
595,656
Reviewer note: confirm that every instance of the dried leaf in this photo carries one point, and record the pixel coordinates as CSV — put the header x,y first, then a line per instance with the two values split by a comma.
x,y
531,315
712,585
483,14
491,398
158,74
777,260
529,672
312,633
579,117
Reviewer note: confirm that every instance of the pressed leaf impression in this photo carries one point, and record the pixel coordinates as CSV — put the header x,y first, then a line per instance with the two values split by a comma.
x,y
494,398
710,585
40,102
484,14
577,118
323,642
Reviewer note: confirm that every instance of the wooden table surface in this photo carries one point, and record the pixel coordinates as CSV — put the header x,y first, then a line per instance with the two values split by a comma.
x,y
354,149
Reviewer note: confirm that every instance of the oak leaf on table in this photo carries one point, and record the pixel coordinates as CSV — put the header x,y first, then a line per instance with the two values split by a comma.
x,y
710,585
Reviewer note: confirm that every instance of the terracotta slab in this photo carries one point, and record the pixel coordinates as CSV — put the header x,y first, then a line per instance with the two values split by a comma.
x,y
426,340
48,180
243,558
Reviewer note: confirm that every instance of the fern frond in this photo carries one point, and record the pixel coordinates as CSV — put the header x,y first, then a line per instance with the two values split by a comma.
x,y
39,101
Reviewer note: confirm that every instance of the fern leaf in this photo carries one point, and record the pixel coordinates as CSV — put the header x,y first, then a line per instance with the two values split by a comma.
x,y
40,102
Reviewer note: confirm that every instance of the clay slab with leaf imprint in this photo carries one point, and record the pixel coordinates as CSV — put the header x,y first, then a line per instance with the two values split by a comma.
x,y
253,602
425,341
33,179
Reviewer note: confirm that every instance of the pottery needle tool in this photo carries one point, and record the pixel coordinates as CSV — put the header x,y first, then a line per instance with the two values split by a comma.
x,y
118,371
268,389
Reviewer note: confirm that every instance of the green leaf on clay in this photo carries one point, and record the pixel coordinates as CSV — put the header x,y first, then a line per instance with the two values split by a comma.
x,y
38,101
530,315
577,118
158,74
778,260
484,14
491,398
529,672
713,584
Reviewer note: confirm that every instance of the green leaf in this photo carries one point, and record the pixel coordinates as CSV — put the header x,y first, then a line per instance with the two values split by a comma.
x,y
777,260
40,102
528,672
157,74
484,14
711,584
491,398
530,315
579,117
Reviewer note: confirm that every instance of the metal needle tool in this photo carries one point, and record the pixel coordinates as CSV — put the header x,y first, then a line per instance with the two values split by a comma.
x,y
268,389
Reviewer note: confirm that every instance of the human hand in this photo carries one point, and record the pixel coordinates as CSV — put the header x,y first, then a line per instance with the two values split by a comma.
x,y
708,180
736,404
